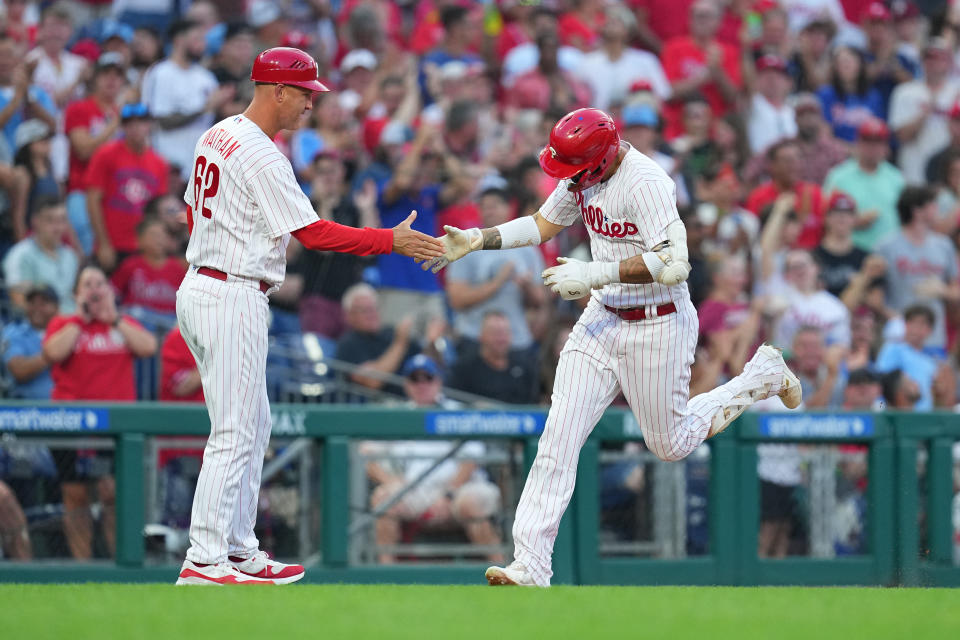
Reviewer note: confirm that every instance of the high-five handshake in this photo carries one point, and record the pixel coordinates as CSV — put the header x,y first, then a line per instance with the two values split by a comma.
x,y
667,263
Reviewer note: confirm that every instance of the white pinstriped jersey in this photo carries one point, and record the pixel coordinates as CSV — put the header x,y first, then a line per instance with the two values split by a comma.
x,y
625,216
245,201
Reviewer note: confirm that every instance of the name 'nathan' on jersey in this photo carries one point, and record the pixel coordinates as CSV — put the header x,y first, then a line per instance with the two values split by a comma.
x,y
627,215
245,202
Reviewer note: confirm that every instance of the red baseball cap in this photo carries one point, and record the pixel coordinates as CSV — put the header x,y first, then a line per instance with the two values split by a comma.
x,y
876,12
873,129
954,112
771,62
641,85
840,201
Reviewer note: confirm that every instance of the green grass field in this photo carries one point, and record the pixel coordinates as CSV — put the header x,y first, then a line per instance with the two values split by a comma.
x,y
107,611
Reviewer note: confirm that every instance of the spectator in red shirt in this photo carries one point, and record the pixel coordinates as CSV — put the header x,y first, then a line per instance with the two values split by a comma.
x,y
699,63
548,86
580,27
90,123
123,176
92,356
657,26
150,279
179,377
783,160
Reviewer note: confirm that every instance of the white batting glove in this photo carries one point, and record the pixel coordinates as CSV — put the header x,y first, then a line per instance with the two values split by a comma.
x,y
458,243
665,267
574,279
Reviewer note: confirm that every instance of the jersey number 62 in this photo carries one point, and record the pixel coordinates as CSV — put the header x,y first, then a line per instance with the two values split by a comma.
x,y
206,181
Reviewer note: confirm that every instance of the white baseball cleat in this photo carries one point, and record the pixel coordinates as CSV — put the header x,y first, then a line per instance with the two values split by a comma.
x,y
262,567
214,575
514,574
766,374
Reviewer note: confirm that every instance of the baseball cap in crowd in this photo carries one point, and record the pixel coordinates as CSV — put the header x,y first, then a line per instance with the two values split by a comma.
x,y
904,10
937,46
873,129
28,132
296,39
641,86
821,23
876,12
863,375
86,48
840,201
395,132
42,290
133,111
358,58
771,62
115,29
418,363
262,12
111,60
806,101
640,115
454,70
954,112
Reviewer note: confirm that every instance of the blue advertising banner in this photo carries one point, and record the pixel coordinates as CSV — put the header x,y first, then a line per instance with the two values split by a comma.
x,y
469,423
53,419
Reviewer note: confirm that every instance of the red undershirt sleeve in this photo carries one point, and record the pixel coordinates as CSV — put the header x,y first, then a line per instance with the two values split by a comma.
x,y
324,235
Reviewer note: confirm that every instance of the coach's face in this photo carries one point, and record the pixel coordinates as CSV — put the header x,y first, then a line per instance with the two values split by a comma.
x,y
293,103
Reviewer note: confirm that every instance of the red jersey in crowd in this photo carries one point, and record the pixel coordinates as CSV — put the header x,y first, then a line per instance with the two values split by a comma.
x,y
100,367
127,181
683,59
810,209
176,361
666,23
83,114
141,284
577,33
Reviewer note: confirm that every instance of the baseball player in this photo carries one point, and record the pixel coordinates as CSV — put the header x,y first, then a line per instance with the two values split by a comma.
x,y
243,205
636,335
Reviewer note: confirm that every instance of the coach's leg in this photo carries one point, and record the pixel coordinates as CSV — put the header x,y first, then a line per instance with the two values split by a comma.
x,y
221,325
585,386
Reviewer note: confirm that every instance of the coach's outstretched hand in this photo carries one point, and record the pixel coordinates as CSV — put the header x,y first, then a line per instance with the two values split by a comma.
x,y
418,246
456,243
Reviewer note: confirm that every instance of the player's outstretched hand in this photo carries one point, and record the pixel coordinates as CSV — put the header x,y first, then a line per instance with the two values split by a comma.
x,y
418,246
456,243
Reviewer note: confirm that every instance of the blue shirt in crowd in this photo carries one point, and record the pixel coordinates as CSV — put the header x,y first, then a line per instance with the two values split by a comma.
x,y
846,114
35,94
401,272
920,366
22,340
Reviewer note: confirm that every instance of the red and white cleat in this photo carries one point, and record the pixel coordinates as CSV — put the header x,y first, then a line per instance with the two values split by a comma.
x,y
261,567
215,575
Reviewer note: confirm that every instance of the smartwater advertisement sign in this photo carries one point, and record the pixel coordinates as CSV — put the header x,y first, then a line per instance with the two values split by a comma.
x,y
817,426
53,419
469,423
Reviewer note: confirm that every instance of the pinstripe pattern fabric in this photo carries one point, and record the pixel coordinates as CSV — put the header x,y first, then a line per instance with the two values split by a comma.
x,y
648,360
225,326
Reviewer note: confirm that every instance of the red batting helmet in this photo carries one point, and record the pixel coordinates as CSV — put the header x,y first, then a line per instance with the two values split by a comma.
x,y
582,145
286,65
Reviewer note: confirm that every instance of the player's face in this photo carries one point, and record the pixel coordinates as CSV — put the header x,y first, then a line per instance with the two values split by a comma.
x,y
40,310
295,104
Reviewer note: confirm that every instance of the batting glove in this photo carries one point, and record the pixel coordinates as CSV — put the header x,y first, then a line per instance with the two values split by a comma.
x,y
458,243
573,279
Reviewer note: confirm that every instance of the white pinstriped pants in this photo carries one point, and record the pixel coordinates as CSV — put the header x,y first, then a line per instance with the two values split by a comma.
x,y
225,325
650,361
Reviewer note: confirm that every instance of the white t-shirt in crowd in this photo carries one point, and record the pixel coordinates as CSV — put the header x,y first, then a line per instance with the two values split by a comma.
x,y
169,89
610,80
768,124
906,104
820,309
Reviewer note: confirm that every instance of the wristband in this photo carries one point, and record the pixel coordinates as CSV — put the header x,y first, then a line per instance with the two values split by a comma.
x,y
654,264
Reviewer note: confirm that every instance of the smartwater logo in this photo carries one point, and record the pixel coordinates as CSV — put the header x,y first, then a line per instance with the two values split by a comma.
x,y
817,426
53,419
478,424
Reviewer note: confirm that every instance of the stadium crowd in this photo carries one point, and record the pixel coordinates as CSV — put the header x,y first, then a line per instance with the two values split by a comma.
x,y
815,145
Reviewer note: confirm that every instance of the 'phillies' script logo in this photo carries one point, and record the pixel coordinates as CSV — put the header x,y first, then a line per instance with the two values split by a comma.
x,y
594,219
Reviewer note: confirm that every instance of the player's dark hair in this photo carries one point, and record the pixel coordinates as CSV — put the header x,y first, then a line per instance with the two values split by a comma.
x,y
496,192
45,201
913,197
452,15
778,146
917,311
862,376
83,266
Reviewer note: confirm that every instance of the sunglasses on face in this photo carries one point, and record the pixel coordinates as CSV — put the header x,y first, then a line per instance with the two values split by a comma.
x,y
421,377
